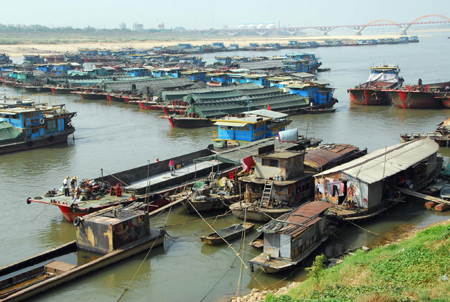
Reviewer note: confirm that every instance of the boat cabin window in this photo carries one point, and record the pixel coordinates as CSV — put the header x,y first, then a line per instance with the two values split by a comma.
x,y
245,128
10,116
51,126
270,162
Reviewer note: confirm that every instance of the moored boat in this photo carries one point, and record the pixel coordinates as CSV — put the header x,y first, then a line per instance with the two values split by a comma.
x,y
211,194
136,185
441,135
371,92
373,183
35,89
415,98
129,233
228,233
38,125
292,237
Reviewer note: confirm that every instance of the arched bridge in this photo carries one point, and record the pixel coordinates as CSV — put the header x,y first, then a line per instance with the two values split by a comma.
x,y
326,29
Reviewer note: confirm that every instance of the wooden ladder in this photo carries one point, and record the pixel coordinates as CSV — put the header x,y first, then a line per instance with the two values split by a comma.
x,y
266,194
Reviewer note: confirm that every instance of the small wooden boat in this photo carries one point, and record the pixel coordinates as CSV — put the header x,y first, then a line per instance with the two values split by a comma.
x,y
323,69
229,233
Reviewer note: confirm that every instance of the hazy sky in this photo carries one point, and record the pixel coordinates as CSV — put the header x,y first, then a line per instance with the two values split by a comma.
x,y
214,14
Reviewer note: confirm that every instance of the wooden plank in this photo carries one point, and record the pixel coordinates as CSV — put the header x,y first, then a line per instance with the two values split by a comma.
x,y
423,196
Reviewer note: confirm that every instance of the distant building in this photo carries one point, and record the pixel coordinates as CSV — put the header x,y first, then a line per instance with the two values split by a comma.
x,y
161,26
122,26
138,27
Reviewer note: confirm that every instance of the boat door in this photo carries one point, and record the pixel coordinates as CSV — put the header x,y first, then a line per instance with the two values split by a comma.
x,y
272,244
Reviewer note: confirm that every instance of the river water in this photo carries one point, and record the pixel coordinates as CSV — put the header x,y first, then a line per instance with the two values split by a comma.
x,y
117,136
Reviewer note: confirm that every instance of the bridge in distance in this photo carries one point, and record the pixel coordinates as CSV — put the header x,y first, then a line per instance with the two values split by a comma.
x,y
326,29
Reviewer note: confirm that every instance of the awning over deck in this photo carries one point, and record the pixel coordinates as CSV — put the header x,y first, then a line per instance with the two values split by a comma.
x,y
386,162
230,124
235,155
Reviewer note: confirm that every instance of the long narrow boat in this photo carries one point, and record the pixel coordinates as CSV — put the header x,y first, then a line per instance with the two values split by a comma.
x,y
148,183
129,233
229,233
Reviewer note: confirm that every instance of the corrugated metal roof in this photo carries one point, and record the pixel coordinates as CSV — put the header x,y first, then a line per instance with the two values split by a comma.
x,y
297,221
319,156
387,161
268,113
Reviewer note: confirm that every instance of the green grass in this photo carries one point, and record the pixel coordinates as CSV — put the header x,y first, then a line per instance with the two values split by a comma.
x,y
411,270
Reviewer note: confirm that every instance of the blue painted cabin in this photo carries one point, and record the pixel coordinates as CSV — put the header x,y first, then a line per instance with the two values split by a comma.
x,y
237,78
195,75
44,67
7,67
62,67
104,52
222,78
219,45
250,126
33,59
260,80
137,71
318,93
37,122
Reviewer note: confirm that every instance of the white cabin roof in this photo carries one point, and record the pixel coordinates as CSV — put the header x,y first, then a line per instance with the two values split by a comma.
x,y
386,162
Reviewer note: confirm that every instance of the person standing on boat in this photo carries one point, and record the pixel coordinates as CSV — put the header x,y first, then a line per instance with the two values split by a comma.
x,y
73,183
66,186
172,166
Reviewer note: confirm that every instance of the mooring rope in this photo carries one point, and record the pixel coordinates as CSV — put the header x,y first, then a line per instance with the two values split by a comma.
x,y
132,279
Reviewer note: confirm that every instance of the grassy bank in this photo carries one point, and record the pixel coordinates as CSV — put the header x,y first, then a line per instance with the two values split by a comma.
x,y
417,269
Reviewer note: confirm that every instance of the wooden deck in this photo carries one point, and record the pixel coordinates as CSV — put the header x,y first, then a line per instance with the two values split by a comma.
x,y
423,196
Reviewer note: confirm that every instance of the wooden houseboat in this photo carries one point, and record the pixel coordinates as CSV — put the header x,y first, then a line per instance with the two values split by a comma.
x,y
275,187
291,238
367,186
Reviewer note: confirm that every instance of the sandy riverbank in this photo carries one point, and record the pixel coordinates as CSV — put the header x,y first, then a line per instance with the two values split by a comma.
x,y
43,49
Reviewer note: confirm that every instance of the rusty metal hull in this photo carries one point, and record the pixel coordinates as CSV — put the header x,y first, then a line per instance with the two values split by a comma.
x,y
415,99
155,239
369,96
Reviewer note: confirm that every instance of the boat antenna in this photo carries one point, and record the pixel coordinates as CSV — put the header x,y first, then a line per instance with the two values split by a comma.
x,y
102,174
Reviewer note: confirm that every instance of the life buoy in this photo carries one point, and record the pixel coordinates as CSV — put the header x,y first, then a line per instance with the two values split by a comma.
x,y
41,121
30,144
51,138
